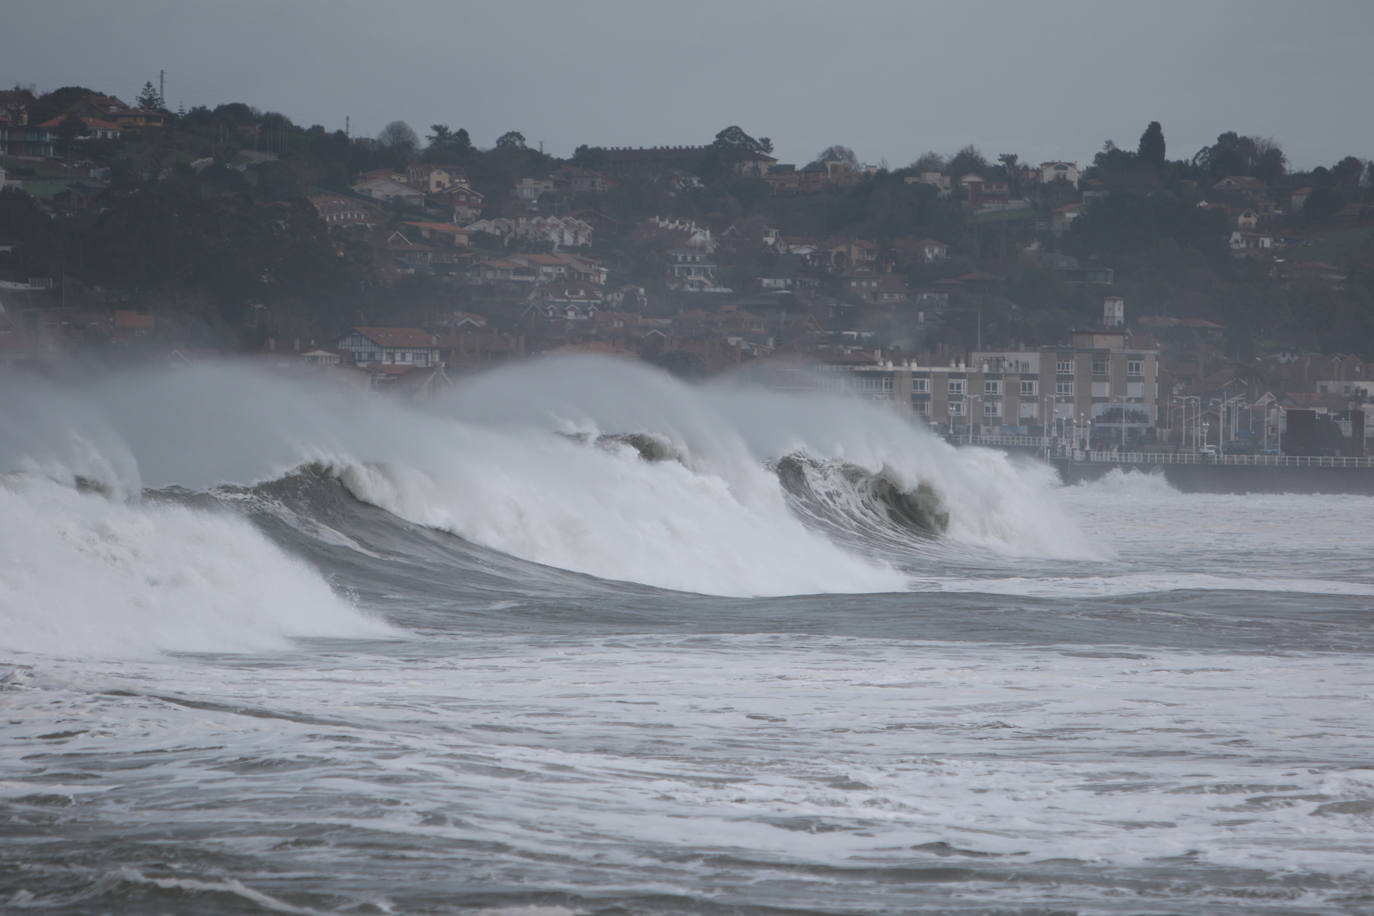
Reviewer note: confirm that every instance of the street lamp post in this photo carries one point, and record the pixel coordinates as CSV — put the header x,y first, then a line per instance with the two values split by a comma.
x,y
1045,425
1197,417
1221,419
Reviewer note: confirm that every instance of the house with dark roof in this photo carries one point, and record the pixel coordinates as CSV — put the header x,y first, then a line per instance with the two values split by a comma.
x,y
402,347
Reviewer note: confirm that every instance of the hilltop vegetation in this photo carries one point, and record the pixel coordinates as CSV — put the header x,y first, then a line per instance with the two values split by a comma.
x,y
207,213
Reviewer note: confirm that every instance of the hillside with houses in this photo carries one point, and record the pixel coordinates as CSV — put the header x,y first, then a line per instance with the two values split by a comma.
x,y
131,233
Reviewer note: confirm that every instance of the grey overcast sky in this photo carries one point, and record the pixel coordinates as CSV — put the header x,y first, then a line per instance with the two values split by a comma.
x,y
1046,79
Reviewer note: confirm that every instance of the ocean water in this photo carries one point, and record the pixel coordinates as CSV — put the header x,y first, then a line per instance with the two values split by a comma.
x,y
577,638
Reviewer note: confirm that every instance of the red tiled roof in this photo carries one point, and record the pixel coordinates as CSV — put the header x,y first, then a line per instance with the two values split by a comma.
x,y
438,227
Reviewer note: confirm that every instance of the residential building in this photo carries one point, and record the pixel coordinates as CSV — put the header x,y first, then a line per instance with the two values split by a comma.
x,y
502,270
465,203
1096,388
137,118
406,347
1066,172
920,251
91,128
1113,312
1251,244
693,270
563,232
1097,377
434,178
566,301
875,288
850,253
388,189
339,211
445,235
530,189
26,140
577,180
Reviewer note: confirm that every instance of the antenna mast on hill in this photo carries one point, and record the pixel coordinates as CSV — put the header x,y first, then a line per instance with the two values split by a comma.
x,y
162,86
348,130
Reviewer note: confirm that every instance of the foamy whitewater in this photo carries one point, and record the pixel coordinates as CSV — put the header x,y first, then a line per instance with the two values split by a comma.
x,y
578,638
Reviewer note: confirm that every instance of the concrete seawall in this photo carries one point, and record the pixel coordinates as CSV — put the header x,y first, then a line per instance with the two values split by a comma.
x,y
1200,474
1223,478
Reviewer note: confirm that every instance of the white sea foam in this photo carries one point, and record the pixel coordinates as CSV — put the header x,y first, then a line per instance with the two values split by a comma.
x,y
1128,483
81,574
1140,584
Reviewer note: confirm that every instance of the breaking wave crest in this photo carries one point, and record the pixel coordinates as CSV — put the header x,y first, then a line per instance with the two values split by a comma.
x,y
599,467
850,500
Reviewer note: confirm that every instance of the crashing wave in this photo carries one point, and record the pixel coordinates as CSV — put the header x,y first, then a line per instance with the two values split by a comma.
x,y
851,496
650,446
609,469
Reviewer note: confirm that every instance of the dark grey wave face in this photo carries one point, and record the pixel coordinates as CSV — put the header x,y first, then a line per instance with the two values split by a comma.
x,y
435,580
650,447
852,498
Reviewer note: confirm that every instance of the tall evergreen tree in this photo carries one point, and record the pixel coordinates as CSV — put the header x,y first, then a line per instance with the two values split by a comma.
x,y
1151,149
150,98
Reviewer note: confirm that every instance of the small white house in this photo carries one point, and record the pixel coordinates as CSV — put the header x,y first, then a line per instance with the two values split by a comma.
x,y
1066,172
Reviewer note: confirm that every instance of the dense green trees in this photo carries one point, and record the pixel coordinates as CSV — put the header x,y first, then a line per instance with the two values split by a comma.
x,y
1233,154
447,145
733,139
967,160
836,153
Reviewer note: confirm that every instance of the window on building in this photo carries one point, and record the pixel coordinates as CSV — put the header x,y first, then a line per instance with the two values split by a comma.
x,y
956,386
992,408
920,386
992,386
956,408
1064,367
874,386
1099,367
1063,389
1029,387
1135,367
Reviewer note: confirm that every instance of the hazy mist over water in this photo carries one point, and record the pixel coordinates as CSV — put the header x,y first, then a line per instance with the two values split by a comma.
x,y
578,638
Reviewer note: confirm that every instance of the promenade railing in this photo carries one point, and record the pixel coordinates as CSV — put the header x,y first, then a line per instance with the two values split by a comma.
x,y
1061,449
